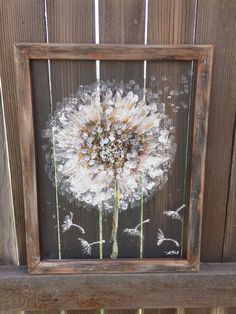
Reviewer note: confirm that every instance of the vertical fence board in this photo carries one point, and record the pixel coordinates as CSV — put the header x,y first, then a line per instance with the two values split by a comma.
x,y
42,312
121,312
20,21
170,22
229,254
83,312
216,25
122,22
8,245
46,192
72,22
196,311
161,311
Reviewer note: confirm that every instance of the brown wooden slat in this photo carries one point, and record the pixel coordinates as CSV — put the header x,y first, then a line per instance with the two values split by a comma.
x,y
197,311
170,22
125,311
42,312
27,149
214,285
229,254
108,52
72,22
173,194
46,191
83,312
218,18
122,22
20,21
161,311
8,244
231,310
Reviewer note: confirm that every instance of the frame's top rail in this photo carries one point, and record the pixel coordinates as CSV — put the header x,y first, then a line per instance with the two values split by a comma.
x,y
113,52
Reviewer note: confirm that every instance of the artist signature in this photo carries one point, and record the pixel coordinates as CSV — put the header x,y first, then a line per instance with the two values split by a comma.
x,y
172,253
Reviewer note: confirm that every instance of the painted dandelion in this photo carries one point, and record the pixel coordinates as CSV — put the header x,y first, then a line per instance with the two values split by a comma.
x,y
112,146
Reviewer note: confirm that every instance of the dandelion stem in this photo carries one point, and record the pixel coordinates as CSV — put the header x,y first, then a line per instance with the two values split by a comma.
x,y
115,218
100,232
97,242
141,223
141,219
181,207
77,226
172,240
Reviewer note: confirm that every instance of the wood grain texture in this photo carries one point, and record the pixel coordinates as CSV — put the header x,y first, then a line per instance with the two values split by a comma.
x,y
214,285
126,311
8,244
82,312
216,25
200,128
73,266
128,17
229,254
72,22
111,52
45,189
197,311
20,21
161,311
171,23
40,312
27,149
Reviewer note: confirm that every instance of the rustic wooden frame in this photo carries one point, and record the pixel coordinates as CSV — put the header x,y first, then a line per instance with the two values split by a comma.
x,y
203,56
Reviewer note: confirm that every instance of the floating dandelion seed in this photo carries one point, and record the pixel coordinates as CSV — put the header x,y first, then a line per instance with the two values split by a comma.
x,y
87,247
135,232
161,238
68,223
174,213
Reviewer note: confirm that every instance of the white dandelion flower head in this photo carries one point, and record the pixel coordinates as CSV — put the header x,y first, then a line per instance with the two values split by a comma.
x,y
108,136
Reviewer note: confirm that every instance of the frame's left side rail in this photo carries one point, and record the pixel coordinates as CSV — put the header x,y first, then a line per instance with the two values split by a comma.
x,y
27,147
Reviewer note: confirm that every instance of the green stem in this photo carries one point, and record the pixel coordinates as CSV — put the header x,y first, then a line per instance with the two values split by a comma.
x,y
115,218
141,219
100,233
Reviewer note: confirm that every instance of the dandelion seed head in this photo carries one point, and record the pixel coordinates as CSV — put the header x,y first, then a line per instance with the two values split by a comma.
x,y
107,135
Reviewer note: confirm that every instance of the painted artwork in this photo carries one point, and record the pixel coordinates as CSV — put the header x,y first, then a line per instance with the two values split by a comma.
x,y
110,148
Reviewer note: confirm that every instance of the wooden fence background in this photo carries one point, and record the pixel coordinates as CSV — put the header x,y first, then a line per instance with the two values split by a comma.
x,y
122,21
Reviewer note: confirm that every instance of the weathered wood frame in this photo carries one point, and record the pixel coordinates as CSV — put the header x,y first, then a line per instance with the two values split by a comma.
x,y
203,56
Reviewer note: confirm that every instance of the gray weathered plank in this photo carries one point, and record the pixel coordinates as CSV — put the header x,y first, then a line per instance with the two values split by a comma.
x,y
216,26
20,21
8,244
122,22
229,254
72,22
214,285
